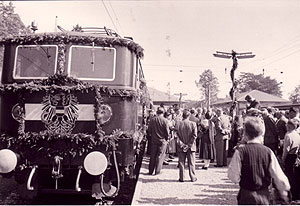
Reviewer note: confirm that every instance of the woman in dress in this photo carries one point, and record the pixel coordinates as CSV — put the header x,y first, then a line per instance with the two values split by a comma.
x,y
207,139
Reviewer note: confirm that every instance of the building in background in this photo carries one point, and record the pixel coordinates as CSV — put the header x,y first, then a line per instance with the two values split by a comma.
x,y
265,100
163,98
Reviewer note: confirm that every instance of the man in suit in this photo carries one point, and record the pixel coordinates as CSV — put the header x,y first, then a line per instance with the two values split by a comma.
x,y
159,131
186,147
281,128
223,129
271,138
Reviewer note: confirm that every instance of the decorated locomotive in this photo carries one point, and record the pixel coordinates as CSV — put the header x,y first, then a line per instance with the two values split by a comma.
x,y
72,111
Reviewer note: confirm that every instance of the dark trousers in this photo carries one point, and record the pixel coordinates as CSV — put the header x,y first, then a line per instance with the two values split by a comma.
x,y
157,156
292,174
221,152
148,144
273,146
190,156
248,197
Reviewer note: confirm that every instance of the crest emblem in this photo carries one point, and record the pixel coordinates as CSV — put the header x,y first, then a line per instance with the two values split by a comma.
x,y
59,112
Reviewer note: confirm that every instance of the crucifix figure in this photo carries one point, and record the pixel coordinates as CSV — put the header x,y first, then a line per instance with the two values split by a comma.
x,y
234,56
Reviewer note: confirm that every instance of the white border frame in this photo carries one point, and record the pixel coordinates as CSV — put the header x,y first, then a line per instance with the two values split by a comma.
x,y
94,79
15,61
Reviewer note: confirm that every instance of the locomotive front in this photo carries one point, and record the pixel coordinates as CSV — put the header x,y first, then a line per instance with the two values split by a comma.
x,y
71,112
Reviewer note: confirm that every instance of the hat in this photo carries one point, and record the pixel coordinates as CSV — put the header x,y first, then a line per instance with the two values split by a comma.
x,y
294,109
208,115
186,114
293,122
166,114
248,97
193,111
160,110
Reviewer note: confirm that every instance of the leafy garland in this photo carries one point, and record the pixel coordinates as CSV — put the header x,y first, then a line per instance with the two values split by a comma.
x,y
77,144
63,83
78,38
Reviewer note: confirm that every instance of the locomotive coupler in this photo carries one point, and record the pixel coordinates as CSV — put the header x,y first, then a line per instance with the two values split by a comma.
x,y
57,170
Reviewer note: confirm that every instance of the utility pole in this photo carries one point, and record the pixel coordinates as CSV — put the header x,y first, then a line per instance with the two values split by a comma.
x,y
208,99
180,97
234,56
169,91
55,26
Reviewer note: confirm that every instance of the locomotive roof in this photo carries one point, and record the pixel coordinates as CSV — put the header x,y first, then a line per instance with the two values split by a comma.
x,y
75,37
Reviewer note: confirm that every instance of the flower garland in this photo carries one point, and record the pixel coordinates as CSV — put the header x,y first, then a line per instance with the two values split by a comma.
x,y
79,38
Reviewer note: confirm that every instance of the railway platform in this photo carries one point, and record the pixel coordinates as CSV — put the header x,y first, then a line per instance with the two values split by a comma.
x,y
212,186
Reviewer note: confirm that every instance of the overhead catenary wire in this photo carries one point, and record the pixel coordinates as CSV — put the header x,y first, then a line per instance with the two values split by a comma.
x,y
282,58
117,19
110,16
294,43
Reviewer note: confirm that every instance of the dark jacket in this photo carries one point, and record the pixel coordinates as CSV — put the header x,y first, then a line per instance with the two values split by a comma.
x,y
271,134
159,129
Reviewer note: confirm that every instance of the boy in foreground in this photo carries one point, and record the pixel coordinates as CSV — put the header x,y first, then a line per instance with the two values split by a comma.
x,y
254,166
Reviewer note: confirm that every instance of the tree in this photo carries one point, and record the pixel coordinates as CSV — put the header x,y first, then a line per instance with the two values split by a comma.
x,y
295,95
10,24
208,85
250,81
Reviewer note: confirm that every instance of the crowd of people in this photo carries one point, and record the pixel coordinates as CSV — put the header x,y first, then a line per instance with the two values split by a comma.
x,y
261,146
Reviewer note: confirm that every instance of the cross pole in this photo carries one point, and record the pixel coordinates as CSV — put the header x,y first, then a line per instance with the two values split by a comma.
x,y
234,56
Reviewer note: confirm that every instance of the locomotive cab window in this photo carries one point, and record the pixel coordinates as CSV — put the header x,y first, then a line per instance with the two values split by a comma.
x,y
92,63
35,61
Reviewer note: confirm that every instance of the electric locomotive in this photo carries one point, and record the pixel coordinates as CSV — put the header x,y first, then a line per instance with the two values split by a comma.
x,y
72,111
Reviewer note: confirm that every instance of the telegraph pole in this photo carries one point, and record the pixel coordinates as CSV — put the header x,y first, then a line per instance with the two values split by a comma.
x,y
208,99
169,91
234,56
180,97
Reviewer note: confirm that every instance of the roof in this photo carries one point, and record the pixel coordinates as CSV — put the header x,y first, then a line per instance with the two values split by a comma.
x,y
258,95
159,96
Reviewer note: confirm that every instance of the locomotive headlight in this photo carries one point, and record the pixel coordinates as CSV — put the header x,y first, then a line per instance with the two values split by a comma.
x,y
95,163
104,113
8,161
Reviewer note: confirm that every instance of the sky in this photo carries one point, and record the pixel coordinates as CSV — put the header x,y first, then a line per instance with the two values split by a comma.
x,y
180,36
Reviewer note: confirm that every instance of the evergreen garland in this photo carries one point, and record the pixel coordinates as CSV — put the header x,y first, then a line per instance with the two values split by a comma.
x,y
76,38
39,143
63,83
